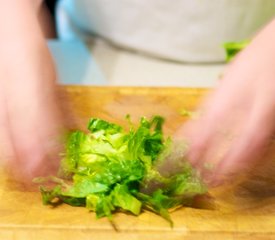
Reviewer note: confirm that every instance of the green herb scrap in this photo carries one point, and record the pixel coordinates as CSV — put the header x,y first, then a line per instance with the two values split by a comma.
x,y
109,169
233,48
189,114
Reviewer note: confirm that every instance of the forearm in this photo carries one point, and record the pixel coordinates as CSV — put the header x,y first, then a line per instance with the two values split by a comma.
x,y
19,23
263,44
267,35
22,44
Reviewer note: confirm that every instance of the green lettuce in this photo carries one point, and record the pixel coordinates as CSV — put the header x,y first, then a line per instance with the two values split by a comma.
x,y
233,48
109,169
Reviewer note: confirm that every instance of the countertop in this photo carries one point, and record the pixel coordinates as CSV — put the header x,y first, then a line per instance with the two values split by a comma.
x,y
238,210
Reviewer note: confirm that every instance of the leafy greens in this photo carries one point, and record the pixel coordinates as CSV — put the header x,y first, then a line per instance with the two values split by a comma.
x,y
233,48
113,169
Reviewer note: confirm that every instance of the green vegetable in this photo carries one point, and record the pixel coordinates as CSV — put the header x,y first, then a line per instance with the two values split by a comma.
x,y
189,114
110,169
233,48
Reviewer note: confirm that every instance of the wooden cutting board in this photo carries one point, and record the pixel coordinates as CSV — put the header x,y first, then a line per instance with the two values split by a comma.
x,y
243,211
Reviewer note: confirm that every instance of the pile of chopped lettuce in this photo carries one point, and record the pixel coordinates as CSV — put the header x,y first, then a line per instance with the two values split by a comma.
x,y
111,169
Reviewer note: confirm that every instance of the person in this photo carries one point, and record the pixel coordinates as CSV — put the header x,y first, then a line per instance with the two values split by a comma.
x,y
235,127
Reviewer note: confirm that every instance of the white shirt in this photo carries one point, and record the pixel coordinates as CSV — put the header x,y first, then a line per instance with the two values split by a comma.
x,y
180,30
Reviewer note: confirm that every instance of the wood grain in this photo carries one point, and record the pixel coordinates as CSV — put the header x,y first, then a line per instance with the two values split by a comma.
x,y
243,211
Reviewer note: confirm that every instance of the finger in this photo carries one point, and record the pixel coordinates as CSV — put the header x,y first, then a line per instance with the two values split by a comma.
x,y
51,134
251,145
31,132
202,133
6,147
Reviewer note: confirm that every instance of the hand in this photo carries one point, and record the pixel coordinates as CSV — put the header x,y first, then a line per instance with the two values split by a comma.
x,y
237,122
30,119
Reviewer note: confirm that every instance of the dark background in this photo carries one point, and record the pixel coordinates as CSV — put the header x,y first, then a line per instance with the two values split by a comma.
x,y
51,5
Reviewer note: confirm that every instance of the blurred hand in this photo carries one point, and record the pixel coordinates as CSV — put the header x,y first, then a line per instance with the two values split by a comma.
x,y
30,120
238,119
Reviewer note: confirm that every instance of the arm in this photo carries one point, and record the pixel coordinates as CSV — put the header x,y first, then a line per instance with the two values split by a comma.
x,y
238,120
29,116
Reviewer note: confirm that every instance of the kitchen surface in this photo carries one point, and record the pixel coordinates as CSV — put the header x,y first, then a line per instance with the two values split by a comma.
x,y
234,211
101,63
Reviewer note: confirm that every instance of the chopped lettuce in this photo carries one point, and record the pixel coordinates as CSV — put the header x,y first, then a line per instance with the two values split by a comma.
x,y
233,48
110,169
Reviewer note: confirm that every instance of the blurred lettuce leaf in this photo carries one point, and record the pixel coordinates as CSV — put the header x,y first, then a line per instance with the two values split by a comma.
x,y
233,48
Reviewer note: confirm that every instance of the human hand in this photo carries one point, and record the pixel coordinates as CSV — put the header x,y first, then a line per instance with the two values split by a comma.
x,y
30,119
237,122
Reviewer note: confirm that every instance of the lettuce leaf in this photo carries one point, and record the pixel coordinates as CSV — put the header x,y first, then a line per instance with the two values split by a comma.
x,y
233,48
110,169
